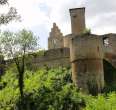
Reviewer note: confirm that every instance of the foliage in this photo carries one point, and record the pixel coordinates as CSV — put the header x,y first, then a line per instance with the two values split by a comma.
x,y
50,89
86,32
2,2
16,46
101,102
38,53
30,57
9,94
10,15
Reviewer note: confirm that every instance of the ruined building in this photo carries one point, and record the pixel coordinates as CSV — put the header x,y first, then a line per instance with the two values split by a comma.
x,y
84,52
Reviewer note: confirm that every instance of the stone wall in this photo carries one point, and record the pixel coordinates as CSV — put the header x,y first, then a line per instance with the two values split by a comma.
x,y
87,46
53,58
86,54
110,48
55,39
67,40
77,20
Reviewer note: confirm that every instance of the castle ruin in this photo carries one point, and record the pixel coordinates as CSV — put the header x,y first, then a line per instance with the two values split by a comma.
x,y
83,52
87,51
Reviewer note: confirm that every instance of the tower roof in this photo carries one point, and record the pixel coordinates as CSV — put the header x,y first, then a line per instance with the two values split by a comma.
x,y
81,8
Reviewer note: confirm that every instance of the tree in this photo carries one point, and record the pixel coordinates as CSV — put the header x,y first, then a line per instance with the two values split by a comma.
x,y
16,47
11,15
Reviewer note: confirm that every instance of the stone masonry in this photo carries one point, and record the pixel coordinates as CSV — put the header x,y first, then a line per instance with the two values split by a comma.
x,y
55,39
83,52
87,51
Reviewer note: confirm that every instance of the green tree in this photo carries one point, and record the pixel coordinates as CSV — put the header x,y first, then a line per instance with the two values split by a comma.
x,y
16,46
10,15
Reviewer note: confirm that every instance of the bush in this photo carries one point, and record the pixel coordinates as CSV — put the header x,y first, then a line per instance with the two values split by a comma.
x,y
44,90
101,102
50,89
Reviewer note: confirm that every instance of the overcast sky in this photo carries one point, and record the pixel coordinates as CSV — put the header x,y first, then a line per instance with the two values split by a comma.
x,y
39,15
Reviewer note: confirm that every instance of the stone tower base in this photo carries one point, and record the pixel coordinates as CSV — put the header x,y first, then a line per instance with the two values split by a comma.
x,y
88,74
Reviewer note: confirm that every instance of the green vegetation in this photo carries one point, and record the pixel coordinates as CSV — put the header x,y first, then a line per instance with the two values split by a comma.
x,y
87,31
38,53
16,46
49,89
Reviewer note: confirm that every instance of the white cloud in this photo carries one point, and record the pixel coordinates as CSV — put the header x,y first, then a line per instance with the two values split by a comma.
x,y
38,16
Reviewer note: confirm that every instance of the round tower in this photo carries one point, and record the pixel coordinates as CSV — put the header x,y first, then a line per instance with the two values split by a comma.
x,y
86,54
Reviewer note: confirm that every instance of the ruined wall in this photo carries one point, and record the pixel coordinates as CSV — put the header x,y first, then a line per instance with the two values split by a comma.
x,y
86,53
67,40
110,48
112,42
55,39
53,58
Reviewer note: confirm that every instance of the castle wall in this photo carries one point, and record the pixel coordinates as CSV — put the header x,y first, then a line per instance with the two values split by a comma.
x,y
67,40
53,58
110,48
86,53
112,42
89,46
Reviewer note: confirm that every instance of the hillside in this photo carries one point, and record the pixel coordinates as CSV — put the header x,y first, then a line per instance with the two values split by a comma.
x,y
50,89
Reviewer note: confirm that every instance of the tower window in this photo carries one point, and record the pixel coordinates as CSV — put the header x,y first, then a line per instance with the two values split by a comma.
x,y
74,16
106,41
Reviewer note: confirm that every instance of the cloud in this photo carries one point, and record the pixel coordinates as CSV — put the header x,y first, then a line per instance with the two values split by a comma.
x,y
38,16
101,15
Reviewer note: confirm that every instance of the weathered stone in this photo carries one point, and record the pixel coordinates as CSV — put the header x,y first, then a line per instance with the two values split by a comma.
x,y
84,52
77,20
55,39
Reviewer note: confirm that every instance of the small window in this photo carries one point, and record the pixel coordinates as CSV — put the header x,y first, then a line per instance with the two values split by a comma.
x,y
98,48
74,16
106,41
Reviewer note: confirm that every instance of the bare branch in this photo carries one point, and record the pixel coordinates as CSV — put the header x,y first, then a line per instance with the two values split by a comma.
x,y
3,2
10,16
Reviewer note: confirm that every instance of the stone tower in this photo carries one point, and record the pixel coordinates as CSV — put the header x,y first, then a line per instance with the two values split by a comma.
x,y
55,39
86,54
77,20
